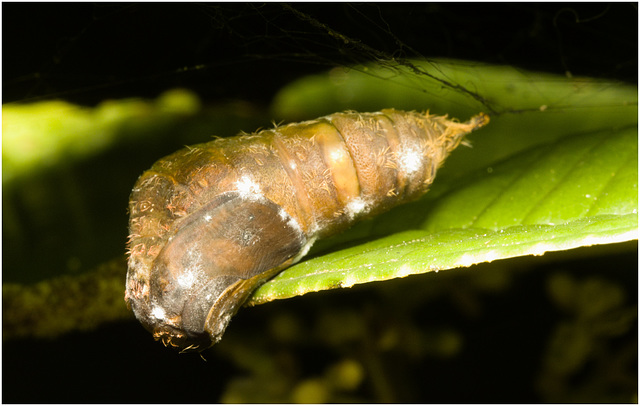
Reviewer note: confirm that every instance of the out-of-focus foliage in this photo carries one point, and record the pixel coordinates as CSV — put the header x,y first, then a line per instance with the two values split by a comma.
x,y
67,303
40,136
597,312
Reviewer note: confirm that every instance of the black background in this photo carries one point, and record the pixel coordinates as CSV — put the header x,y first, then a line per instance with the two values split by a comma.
x,y
89,52
85,53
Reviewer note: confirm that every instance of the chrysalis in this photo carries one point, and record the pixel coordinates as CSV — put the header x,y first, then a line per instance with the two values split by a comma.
x,y
210,223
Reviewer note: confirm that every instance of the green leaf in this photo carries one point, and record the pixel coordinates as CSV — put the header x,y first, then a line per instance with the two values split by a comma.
x,y
457,88
579,191
555,169
576,178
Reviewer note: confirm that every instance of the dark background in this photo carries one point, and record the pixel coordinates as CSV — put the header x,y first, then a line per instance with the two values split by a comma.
x,y
86,53
89,52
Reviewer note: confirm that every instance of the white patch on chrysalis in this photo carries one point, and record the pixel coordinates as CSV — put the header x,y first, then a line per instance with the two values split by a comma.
x,y
337,155
410,161
305,249
291,222
314,228
187,278
191,273
158,312
356,207
247,187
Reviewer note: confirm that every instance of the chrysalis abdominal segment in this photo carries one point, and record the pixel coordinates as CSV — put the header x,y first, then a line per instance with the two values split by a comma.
x,y
210,223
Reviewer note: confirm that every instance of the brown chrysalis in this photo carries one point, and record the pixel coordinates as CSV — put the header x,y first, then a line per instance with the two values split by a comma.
x,y
210,223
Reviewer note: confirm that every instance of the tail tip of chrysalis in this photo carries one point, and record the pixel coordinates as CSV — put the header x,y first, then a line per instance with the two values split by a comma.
x,y
479,121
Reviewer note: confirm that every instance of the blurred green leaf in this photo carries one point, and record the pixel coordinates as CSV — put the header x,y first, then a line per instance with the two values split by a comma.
x,y
39,136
